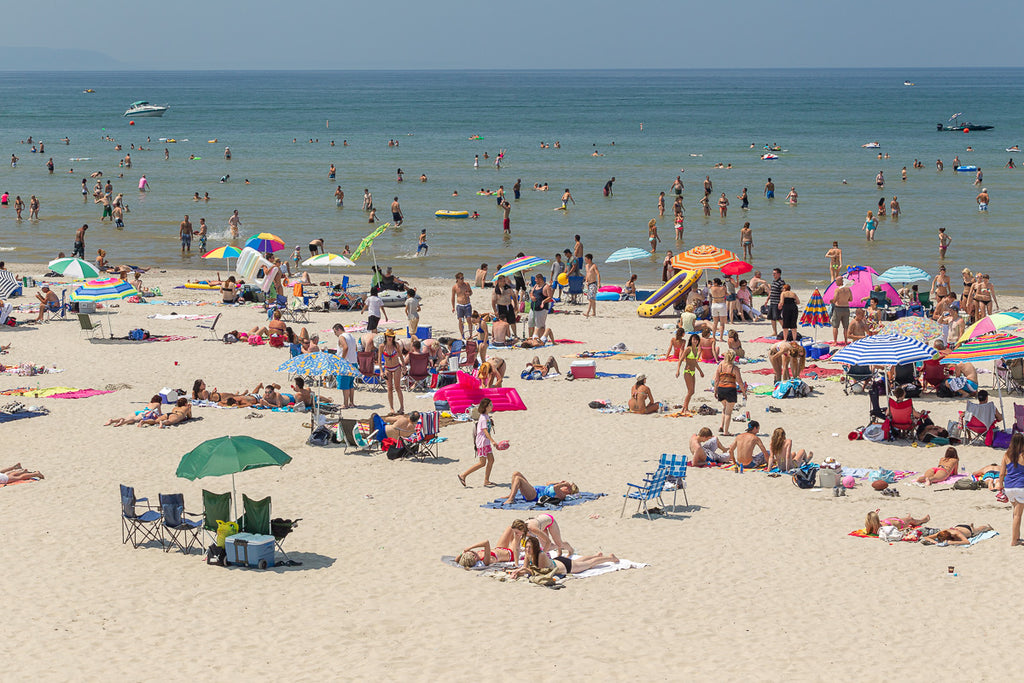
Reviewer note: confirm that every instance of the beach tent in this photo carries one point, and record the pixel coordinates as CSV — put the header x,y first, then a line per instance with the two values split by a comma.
x,y
862,280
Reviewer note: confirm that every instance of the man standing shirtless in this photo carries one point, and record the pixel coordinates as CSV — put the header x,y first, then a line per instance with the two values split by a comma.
x,y
185,234
841,310
593,282
233,223
396,213
461,306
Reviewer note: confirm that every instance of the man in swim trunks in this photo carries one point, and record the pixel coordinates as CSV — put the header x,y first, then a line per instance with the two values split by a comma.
x,y
506,209
841,299
233,223
769,189
566,198
78,249
461,306
422,246
965,380
577,253
396,213
593,283
185,234
774,296
982,199
741,452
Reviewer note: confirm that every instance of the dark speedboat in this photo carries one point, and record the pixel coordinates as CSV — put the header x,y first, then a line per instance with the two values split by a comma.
x,y
957,126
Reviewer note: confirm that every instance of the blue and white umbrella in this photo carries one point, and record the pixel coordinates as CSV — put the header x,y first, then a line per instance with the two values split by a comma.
x,y
319,365
519,264
628,254
884,349
904,274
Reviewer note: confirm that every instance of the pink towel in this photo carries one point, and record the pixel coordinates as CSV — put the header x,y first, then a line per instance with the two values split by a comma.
x,y
80,393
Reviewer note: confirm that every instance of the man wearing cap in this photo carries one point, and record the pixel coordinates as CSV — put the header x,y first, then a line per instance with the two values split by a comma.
x,y
48,301
982,199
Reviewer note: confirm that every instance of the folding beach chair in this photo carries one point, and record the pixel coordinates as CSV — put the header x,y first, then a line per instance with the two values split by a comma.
x,y
976,421
1018,418
87,324
349,435
418,371
212,327
135,528
648,491
428,441
183,532
675,468
469,358
934,374
256,519
1010,375
857,375
216,508
901,419
59,312
5,313
295,311
575,290
371,378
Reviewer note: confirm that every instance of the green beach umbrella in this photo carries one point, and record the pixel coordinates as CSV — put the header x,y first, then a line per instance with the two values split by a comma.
x,y
367,242
74,267
230,455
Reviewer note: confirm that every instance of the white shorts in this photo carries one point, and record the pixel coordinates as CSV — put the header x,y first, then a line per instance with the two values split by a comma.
x,y
719,310
4,479
1015,495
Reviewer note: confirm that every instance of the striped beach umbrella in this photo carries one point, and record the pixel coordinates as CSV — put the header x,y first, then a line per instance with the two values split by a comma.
x,y
815,312
992,323
922,329
367,242
265,242
227,251
518,265
104,290
328,261
74,267
904,274
8,283
885,349
992,346
704,256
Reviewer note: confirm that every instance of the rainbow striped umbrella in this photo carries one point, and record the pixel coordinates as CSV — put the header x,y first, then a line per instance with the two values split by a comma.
x,y
265,242
105,290
992,323
517,265
705,256
922,329
992,346
815,312
226,251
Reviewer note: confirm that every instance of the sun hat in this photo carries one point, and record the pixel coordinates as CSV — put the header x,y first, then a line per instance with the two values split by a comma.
x,y
389,333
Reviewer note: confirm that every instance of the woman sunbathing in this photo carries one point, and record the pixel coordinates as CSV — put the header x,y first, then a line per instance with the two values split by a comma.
x,y
872,524
535,342
549,368
532,494
544,528
16,473
708,348
537,561
481,553
781,455
948,466
181,411
961,534
150,412
199,392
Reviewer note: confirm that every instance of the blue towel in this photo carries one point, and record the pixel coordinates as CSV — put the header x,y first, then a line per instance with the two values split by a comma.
x,y
520,504
616,375
11,417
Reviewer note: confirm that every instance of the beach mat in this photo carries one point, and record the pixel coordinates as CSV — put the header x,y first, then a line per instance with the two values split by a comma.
x,y
20,481
11,417
520,504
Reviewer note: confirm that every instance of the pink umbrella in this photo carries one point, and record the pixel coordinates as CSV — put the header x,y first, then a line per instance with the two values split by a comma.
x,y
736,268
862,281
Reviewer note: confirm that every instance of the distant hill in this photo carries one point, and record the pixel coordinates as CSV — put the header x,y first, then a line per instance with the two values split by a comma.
x,y
53,59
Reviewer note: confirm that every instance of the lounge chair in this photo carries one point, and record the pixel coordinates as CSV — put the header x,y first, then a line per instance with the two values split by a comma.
x,y
350,436
428,441
216,508
138,529
295,311
87,324
371,378
643,493
675,467
183,532
1018,418
857,375
901,419
212,327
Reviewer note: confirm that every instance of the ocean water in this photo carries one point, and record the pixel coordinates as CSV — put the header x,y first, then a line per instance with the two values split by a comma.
x,y
821,118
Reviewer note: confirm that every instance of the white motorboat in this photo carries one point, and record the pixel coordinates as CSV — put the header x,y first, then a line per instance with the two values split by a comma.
x,y
143,108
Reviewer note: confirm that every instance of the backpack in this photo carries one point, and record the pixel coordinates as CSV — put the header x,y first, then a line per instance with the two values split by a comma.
x,y
321,436
804,478
791,388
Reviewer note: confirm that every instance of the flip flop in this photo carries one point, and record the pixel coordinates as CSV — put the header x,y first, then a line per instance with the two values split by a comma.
x,y
462,479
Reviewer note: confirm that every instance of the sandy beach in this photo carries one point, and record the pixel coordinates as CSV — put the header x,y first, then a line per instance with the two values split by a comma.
x,y
756,579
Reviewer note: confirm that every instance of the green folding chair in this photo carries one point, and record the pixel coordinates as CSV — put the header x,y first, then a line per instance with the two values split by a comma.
x,y
216,506
256,520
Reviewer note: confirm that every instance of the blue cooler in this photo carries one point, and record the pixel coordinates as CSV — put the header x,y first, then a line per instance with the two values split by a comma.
x,y
250,550
820,349
422,332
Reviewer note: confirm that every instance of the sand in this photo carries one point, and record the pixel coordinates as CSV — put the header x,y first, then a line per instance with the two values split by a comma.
x,y
757,579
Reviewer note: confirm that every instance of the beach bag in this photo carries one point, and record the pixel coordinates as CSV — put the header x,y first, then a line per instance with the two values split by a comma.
x,y
398,451
874,433
965,484
791,388
882,474
804,478
277,341
321,436
890,534
550,500
942,391
225,529
998,439
216,555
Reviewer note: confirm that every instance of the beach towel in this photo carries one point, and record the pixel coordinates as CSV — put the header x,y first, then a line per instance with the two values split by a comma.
x,y
15,483
567,341
11,417
453,561
521,504
607,568
166,338
174,316
614,375
28,369
80,393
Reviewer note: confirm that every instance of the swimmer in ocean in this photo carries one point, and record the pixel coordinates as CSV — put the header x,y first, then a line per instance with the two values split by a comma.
x,y
791,197
652,234
982,199
769,189
566,198
944,242
422,246
744,202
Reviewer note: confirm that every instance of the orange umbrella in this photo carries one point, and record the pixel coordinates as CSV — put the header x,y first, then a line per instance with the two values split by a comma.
x,y
705,256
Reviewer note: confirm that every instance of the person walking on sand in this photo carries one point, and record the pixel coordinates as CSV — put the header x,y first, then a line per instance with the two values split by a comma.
x,y
484,442
593,282
396,213
1011,483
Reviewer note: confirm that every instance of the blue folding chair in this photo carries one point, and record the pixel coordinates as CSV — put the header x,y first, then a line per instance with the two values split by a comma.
x,y
344,283
135,528
675,470
575,290
183,532
643,493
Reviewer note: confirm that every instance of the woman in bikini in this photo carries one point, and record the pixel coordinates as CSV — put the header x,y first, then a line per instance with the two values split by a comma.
x,y
940,285
482,554
735,344
961,534
676,344
781,455
872,524
690,356
391,364
531,493
719,308
708,348
181,411
545,529
199,392
537,561
641,400
727,380
481,335
150,412
16,473
948,465
965,295
984,297
228,293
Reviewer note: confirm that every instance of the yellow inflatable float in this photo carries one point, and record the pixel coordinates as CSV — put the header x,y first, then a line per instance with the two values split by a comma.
x,y
675,288
445,213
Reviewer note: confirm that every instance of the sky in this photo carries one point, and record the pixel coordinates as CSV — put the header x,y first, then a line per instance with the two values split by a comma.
x,y
528,34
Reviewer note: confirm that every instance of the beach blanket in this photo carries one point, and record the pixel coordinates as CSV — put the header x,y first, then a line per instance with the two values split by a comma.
x,y
80,393
11,417
567,341
28,369
811,372
172,316
52,392
863,472
521,504
615,375
607,568
15,483
167,338
911,538
613,409
453,561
